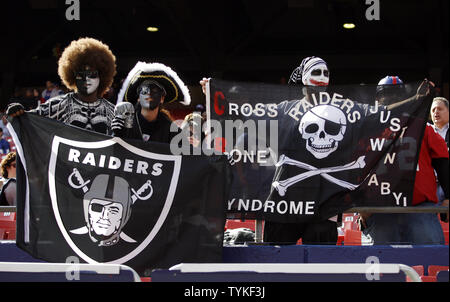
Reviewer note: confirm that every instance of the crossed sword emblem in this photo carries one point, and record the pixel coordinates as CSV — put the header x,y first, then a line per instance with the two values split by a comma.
x,y
282,185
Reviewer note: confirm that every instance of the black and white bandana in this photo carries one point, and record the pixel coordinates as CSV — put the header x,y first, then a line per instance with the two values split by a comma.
x,y
302,74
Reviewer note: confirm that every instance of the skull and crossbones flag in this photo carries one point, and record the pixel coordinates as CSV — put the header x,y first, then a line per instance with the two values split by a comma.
x,y
305,153
106,200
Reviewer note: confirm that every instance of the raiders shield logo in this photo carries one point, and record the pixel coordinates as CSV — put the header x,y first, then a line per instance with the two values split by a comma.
x,y
110,198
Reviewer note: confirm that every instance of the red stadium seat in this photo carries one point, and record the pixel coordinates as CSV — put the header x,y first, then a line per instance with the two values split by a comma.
x,y
8,225
446,237
419,269
237,223
352,233
7,220
434,269
444,225
352,237
428,278
350,221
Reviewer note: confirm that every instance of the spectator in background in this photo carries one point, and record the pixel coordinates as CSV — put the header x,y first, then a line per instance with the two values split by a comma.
x,y
3,124
30,100
4,145
200,108
195,122
413,228
50,91
8,171
439,116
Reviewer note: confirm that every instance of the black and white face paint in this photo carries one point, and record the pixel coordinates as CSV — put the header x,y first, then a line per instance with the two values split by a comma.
x,y
150,94
87,81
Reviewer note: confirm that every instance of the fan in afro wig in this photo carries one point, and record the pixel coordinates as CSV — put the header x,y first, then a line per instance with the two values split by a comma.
x,y
87,52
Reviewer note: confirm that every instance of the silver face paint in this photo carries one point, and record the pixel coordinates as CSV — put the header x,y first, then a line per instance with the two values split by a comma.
x,y
92,84
143,95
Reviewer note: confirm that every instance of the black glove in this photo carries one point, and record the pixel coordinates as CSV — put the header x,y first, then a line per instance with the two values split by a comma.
x,y
15,109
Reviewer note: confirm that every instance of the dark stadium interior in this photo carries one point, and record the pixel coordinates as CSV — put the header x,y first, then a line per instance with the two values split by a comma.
x,y
240,39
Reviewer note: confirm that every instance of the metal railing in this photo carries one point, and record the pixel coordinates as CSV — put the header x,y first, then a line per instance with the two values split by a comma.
x,y
432,209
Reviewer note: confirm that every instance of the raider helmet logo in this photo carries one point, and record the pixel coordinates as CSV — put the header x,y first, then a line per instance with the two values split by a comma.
x,y
107,206
110,195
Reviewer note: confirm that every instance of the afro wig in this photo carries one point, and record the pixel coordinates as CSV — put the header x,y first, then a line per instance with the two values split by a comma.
x,y
87,52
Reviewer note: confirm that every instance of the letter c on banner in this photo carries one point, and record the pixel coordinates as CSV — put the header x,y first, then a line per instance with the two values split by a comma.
x,y
220,143
218,109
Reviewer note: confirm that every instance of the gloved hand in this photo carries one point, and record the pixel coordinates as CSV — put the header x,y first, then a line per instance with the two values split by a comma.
x,y
15,109
118,126
238,236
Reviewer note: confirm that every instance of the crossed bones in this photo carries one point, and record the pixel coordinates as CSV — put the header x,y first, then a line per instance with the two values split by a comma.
x,y
283,185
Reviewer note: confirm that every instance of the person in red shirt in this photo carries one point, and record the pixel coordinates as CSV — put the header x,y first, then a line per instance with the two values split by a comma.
x,y
433,149
414,228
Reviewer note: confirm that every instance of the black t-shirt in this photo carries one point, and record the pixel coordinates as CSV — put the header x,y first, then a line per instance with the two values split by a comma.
x,y
158,130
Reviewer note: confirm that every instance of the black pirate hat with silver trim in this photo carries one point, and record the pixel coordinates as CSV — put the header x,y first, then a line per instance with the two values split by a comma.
x,y
164,76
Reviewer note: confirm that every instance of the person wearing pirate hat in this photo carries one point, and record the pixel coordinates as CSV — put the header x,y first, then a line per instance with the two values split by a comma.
x,y
146,89
87,67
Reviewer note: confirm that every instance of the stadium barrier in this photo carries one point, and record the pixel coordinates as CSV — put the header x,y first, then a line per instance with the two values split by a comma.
x,y
35,272
285,272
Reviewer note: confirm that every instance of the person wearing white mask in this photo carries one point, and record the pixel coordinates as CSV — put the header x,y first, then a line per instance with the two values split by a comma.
x,y
314,76
87,66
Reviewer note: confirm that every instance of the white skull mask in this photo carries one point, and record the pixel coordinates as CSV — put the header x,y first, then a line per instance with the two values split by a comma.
x,y
125,111
323,127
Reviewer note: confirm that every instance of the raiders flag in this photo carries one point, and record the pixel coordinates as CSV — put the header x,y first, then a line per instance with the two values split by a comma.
x,y
106,200
305,153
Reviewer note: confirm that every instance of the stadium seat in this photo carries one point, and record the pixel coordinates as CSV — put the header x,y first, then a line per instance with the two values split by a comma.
x,y
8,225
352,237
237,223
428,278
446,237
434,269
282,272
420,271
444,225
58,272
